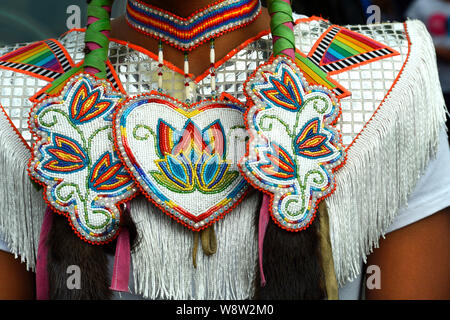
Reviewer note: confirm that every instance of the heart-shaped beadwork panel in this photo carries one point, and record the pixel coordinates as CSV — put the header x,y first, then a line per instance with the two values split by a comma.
x,y
184,158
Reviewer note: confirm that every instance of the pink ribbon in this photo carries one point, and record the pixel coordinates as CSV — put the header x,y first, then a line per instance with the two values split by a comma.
x,y
121,271
262,227
42,288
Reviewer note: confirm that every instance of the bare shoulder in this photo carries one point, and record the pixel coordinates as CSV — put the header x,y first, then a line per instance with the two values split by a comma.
x,y
414,261
16,283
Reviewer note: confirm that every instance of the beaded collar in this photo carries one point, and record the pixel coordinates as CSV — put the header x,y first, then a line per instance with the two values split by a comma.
x,y
203,25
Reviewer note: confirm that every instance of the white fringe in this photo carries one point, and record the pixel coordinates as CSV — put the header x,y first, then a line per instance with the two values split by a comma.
x,y
21,206
162,262
387,160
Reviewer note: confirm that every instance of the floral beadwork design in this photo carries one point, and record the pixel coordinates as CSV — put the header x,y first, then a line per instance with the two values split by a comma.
x,y
184,158
293,150
193,159
74,157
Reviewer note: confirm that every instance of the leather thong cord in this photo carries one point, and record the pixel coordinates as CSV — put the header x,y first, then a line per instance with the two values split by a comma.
x,y
327,253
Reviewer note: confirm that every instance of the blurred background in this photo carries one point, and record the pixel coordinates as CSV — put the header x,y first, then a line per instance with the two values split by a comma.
x,y
30,20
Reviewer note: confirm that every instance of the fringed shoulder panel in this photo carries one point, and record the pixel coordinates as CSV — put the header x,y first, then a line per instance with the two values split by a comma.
x,y
392,113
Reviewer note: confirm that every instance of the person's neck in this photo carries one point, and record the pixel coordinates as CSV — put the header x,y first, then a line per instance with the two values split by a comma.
x,y
180,8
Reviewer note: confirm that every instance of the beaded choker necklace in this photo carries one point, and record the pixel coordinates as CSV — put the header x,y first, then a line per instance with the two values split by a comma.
x,y
187,33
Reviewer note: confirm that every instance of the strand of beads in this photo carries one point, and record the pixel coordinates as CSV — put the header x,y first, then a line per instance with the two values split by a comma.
x,y
186,79
188,93
160,66
212,59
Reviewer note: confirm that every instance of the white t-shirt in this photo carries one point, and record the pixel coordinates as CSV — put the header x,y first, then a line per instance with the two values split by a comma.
x,y
431,195
435,14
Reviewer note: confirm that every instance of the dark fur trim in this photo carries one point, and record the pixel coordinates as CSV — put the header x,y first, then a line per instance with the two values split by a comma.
x,y
66,249
292,265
